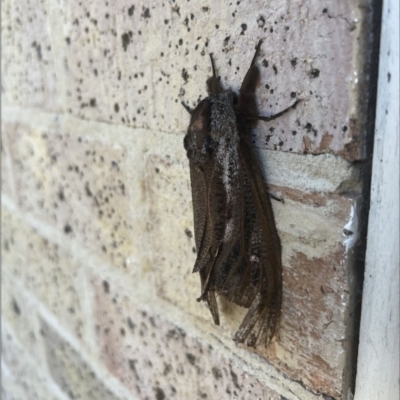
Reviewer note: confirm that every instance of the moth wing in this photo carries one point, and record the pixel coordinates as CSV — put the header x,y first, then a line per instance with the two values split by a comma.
x,y
261,319
200,205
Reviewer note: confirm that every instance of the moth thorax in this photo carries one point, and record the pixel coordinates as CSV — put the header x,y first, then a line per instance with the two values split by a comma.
x,y
223,118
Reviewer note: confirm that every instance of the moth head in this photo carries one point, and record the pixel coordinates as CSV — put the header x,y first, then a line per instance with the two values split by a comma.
x,y
198,142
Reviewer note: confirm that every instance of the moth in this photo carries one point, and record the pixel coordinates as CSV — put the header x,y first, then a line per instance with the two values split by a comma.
x,y
237,244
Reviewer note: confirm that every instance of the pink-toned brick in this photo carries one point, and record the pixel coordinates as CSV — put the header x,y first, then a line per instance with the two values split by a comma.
x,y
158,359
70,371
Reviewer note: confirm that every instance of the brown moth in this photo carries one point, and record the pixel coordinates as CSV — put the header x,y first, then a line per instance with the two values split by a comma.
x,y
238,247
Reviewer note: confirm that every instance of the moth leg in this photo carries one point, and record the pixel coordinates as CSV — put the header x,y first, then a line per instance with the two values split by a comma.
x,y
274,116
280,199
213,85
187,108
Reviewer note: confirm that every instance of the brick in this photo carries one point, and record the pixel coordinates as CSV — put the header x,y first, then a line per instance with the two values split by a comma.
x,y
70,371
45,269
28,66
316,287
75,184
21,316
7,176
172,234
134,66
22,378
156,358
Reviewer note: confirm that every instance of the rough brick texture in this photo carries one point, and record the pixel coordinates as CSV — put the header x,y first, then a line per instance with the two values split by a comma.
x,y
98,298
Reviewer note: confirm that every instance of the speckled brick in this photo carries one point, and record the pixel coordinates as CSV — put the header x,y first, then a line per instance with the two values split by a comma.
x,y
29,75
157,359
20,315
75,184
70,371
171,230
46,270
133,63
7,178
22,378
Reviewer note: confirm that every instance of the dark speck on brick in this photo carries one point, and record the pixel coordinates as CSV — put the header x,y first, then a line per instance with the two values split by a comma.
x,y
125,40
87,190
146,13
188,233
265,63
235,380
185,75
314,73
275,69
131,10
106,287
293,95
216,373
160,395
92,102
114,164
116,107
67,229
191,358
293,61
310,128
16,308
61,195
130,323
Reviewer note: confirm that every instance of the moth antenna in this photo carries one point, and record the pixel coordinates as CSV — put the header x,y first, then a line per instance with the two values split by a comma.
x,y
213,66
274,116
256,53
187,108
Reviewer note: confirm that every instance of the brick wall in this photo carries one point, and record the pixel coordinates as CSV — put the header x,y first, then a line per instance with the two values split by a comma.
x,y
98,298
